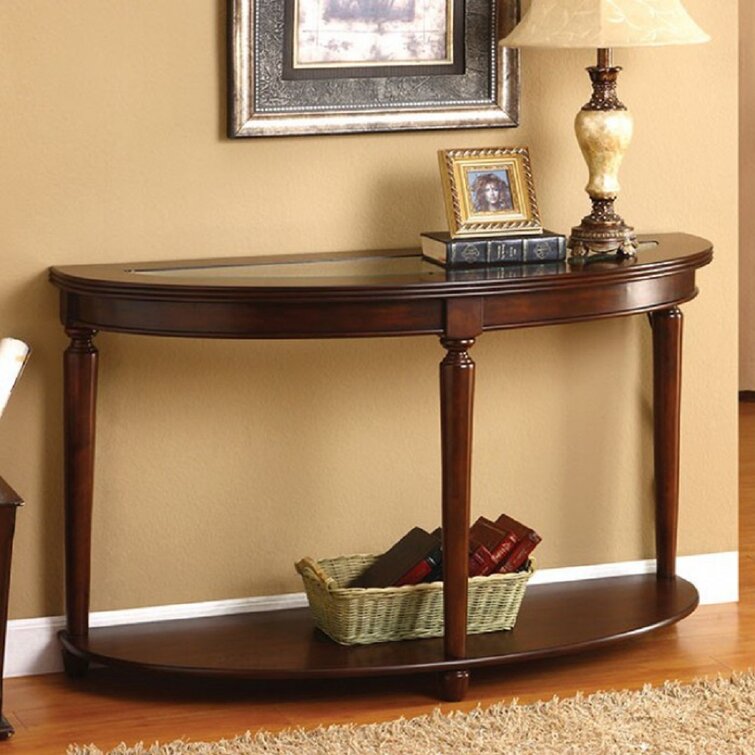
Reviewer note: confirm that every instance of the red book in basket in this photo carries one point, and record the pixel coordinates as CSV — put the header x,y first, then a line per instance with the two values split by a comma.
x,y
527,540
481,561
499,543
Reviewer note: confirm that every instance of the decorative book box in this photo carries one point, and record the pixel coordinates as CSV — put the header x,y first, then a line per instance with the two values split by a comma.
x,y
360,616
444,249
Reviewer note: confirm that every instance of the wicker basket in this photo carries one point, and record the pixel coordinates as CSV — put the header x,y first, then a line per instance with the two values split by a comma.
x,y
360,616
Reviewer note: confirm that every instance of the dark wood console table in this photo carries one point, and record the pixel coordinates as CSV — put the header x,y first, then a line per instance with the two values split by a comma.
x,y
363,295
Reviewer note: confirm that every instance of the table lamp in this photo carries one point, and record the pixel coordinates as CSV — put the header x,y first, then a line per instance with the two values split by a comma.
x,y
604,125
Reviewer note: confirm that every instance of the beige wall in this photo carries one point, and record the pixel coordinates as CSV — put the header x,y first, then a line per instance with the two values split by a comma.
x,y
220,463
746,197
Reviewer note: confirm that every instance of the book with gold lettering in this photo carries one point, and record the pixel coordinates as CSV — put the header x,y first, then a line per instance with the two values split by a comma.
x,y
498,541
441,248
527,540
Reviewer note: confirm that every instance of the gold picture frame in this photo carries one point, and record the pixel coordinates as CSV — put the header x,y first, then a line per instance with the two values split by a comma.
x,y
489,192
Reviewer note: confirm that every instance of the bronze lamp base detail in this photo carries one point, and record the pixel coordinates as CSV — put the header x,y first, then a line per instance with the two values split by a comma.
x,y
602,232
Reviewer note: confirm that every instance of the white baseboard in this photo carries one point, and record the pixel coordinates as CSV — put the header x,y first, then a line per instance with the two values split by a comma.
x,y
715,575
32,647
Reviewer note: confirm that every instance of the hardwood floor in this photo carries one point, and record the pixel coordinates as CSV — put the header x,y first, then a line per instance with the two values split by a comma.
x,y
50,712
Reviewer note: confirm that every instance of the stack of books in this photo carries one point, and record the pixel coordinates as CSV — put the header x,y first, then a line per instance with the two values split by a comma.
x,y
495,547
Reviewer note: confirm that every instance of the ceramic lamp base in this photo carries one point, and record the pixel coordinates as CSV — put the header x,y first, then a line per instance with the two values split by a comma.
x,y
604,129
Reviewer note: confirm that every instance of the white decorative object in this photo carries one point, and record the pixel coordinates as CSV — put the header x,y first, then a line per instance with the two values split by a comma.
x,y
13,357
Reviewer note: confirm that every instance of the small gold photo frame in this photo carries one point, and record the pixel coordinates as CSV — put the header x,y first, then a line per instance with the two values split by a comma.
x,y
489,192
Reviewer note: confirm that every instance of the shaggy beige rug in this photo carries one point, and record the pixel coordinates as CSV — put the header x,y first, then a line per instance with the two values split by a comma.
x,y
707,716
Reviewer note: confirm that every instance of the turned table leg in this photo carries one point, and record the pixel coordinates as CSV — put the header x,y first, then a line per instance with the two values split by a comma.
x,y
80,396
667,383
457,393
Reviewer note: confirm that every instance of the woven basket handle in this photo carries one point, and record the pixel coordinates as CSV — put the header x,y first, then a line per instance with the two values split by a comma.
x,y
310,565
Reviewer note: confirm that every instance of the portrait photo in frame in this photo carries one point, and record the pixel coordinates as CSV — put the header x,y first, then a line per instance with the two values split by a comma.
x,y
489,192
340,66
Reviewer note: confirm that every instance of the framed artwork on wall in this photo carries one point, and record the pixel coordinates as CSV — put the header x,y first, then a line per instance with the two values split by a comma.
x,y
339,66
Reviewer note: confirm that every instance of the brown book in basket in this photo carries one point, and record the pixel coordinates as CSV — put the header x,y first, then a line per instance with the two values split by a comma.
x,y
402,563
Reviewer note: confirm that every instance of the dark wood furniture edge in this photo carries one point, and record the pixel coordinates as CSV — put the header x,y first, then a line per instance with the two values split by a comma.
x,y
9,503
564,318
325,311
6,729
111,280
8,496
86,649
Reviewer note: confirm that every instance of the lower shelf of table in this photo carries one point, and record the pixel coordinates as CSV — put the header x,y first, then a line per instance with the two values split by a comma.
x,y
554,619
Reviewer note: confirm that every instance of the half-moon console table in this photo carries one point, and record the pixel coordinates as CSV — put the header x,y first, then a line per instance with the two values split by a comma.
x,y
368,294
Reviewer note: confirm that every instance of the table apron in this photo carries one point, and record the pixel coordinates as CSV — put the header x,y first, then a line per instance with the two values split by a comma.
x,y
583,303
364,318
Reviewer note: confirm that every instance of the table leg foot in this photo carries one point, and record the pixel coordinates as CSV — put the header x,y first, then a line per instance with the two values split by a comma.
x,y
75,666
6,730
454,685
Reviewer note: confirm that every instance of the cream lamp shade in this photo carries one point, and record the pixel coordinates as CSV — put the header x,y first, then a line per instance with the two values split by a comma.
x,y
604,125
605,24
